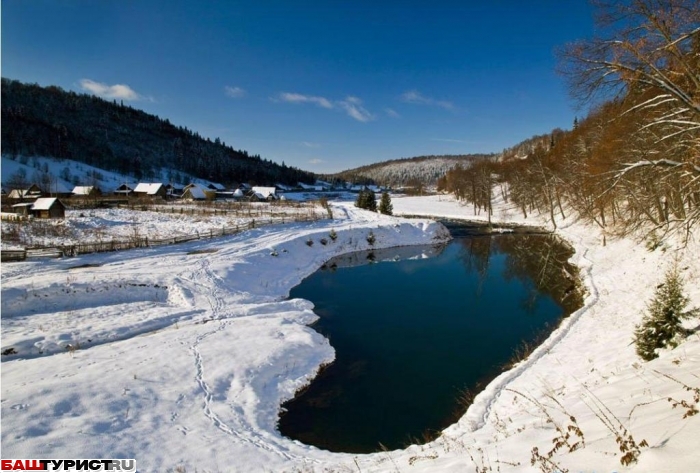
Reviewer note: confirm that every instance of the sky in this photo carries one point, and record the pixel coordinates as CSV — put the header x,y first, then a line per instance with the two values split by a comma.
x,y
320,85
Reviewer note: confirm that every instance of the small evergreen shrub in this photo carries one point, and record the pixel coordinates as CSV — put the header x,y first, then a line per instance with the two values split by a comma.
x,y
661,326
309,242
333,235
323,241
371,238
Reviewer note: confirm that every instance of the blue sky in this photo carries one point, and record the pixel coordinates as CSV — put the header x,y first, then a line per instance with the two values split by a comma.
x,y
321,85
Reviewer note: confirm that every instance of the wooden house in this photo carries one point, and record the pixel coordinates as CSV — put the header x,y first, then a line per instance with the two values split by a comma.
x,y
198,192
173,191
124,189
86,191
32,192
23,210
264,193
48,207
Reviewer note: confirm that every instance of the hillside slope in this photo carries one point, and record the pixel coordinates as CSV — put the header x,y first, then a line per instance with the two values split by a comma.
x,y
398,172
48,121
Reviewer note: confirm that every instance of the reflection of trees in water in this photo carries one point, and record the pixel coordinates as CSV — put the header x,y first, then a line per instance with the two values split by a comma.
x,y
477,257
543,259
539,260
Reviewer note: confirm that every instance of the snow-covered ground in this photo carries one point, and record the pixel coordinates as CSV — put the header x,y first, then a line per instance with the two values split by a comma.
x,y
98,225
180,356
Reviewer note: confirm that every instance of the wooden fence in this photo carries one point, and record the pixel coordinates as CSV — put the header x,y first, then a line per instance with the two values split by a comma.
x,y
236,209
118,245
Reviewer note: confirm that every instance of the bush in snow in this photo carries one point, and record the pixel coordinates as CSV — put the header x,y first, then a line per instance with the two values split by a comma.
x,y
333,235
661,326
371,238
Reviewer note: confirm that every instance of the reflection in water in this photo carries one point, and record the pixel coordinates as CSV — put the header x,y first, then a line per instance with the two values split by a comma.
x,y
414,327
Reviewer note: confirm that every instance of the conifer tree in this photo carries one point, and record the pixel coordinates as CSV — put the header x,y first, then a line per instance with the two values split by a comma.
x,y
371,200
662,322
366,200
360,201
385,206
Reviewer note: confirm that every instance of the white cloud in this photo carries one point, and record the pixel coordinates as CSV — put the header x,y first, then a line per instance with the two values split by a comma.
x,y
392,113
299,98
316,161
413,96
234,92
353,107
308,144
117,91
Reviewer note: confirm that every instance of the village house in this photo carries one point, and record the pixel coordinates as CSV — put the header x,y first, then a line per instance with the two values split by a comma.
x,y
198,192
216,187
173,191
262,193
43,207
23,209
125,189
32,192
86,191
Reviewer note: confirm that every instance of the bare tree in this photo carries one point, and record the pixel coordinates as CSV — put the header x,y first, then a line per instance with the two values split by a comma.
x,y
648,59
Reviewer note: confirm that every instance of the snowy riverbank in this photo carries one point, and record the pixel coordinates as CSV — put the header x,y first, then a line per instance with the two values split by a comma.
x,y
181,355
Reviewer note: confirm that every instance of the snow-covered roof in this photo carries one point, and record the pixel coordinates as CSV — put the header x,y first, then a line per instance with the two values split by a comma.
x,y
26,204
265,191
32,191
83,190
150,188
216,186
196,192
44,203
238,193
17,193
283,187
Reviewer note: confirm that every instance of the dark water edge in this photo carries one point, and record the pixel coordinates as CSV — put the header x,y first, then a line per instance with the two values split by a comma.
x,y
417,330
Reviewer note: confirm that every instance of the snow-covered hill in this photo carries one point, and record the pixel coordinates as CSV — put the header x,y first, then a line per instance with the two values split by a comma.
x,y
396,173
62,175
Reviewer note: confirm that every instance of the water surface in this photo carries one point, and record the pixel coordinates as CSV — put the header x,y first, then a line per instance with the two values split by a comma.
x,y
416,327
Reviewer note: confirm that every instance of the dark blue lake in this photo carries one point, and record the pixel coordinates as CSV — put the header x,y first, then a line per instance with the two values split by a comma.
x,y
415,328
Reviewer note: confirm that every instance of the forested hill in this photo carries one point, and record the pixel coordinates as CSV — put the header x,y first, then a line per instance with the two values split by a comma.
x,y
48,121
424,169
